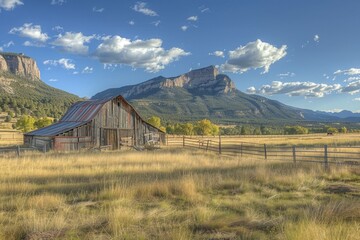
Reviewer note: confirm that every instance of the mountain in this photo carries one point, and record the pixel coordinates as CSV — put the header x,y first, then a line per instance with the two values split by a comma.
x,y
344,114
204,93
22,91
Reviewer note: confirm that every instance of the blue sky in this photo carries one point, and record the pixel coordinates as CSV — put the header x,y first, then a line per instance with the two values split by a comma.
x,y
302,53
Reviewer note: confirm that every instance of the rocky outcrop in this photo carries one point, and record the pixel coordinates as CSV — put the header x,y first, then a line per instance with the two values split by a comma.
x,y
20,65
205,80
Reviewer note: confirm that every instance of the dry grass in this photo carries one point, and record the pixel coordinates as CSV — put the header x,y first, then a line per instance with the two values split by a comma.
x,y
173,194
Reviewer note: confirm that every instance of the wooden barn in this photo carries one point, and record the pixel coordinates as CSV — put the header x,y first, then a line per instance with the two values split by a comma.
x,y
109,123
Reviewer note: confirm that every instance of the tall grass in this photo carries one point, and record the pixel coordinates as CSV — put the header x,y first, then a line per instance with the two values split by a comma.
x,y
172,194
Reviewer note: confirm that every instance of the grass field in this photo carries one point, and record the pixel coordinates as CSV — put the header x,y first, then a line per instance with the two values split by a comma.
x,y
174,194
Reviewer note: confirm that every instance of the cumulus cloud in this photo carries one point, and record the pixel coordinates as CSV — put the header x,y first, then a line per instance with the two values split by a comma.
x,y
30,31
131,22
98,10
253,55
192,18
184,28
141,8
10,4
53,80
147,54
87,70
350,71
306,89
73,42
217,54
63,62
352,87
57,2
317,38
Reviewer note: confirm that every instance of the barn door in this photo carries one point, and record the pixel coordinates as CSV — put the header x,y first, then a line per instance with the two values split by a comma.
x,y
110,138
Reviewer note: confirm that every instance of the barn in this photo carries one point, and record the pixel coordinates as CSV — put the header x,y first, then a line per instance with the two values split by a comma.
x,y
102,123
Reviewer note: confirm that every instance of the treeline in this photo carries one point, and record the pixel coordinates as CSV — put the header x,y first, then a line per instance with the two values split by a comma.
x,y
206,127
39,108
28,123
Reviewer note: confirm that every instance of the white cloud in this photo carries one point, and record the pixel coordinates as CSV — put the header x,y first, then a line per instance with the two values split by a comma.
x,y
204,9
131,22
352,79
87,70
356,99
317,38
99,10
217,54
33,44
352,88
350,71
147,54
287,74
58,28
57,2
30,31
192,18
141,8
254,55
73,42
53,80
156,23
184,28
306,89
9,44
10,4
63,62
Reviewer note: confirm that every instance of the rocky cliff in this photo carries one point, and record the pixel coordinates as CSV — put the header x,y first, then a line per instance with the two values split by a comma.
x,y
20,65
202,81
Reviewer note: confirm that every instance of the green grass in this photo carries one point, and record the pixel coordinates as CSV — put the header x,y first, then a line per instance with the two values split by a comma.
x,y
171,194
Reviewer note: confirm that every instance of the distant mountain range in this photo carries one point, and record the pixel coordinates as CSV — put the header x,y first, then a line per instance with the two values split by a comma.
x,y
204,93
22,91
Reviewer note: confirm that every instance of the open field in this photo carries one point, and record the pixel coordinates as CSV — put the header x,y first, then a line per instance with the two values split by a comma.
x,y
174,194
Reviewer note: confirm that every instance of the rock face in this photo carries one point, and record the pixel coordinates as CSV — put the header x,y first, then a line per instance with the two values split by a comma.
x,y
205,80
20,65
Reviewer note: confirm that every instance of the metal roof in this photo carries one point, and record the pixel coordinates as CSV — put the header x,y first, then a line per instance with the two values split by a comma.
x,y
55,129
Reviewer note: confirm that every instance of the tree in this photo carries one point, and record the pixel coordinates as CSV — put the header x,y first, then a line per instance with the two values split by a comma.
x,y
155,121
295,130
332,130
206,127
25,123
343,130
243,130
42,122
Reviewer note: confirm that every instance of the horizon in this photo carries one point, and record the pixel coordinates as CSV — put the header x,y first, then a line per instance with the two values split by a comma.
x,y
274,50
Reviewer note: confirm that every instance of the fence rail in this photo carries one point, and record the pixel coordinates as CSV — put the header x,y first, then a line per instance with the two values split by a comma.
x,y
325,154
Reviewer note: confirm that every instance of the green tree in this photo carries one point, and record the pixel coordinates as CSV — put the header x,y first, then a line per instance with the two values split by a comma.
x,y
332,130
26,123
206,127
155,121
343,130
42,122
295,130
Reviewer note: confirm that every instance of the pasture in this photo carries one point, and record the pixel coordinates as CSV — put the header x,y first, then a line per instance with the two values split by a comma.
x,y
174,194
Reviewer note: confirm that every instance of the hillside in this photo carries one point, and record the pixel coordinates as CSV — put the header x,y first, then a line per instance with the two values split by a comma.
x,y
22,91
204,93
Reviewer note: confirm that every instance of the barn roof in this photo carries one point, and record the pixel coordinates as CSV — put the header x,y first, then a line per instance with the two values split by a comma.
x,y
55,129
78,114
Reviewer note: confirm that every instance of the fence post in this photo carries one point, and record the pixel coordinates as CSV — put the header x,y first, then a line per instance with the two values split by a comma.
x,y
265,152
219,144
326,163
207,145
241,149
183,141
18,151
294,153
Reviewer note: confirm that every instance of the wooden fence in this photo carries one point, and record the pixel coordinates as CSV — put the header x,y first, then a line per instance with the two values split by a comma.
x,y
19,150
326,154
